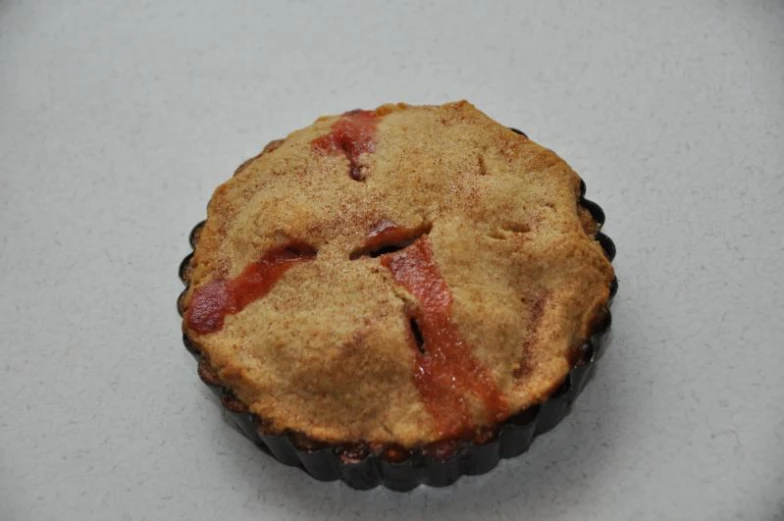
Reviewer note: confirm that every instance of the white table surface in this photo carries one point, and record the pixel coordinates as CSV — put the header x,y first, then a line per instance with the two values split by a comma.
x,y
117,119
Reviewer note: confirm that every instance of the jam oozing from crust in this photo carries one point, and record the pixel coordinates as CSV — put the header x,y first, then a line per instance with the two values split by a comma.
x,y
525,366
445,370
352,135
212,302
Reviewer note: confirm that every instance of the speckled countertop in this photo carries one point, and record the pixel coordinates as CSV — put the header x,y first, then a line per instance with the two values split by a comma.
x,y
118,118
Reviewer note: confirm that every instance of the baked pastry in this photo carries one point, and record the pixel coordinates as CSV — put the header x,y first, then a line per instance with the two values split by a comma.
x,y
394,287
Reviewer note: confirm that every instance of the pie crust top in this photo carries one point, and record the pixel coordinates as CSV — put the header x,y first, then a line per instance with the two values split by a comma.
x,y
402,276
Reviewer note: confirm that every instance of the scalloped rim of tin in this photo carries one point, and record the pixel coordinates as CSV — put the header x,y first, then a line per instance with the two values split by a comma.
x,y
369,469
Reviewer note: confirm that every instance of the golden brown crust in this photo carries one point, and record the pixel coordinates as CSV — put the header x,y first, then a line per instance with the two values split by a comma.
x,y
328,351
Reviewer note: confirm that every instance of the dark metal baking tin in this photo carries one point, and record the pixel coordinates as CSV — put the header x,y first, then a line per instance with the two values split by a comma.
x,y
512,438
